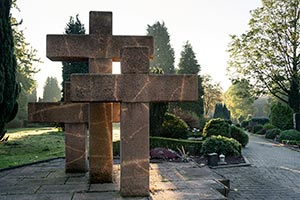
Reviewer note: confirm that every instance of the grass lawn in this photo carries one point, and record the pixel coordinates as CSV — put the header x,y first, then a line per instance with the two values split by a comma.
x,y
31,144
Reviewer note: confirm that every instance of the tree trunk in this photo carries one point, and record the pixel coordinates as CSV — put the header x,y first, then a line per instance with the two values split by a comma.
x,y
294,94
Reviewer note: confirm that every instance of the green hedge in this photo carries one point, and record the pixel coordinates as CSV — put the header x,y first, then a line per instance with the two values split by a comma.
x,y
216,127
221,145
240,135
272,133
289,135
193,147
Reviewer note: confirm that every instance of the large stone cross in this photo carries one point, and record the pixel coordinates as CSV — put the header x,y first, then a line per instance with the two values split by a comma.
x,y
134,88
99,48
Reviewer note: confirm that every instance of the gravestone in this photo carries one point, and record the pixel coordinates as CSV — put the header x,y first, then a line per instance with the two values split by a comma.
x,y
99,48
134,88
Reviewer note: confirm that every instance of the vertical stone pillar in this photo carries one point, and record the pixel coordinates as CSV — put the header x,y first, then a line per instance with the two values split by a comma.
x,y
75,143
100,143
100,121
134,149
134,130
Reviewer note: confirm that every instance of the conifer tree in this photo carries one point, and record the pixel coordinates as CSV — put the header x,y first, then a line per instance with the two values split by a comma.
x,y
163,51
188,64
51,90
73,27
9,88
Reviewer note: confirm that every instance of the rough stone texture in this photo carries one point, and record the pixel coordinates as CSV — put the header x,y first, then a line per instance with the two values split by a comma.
x,y
135,149
168,180
58,112
134,89
101,154
143,88
274,173
135,60
75,117
65,47
75,145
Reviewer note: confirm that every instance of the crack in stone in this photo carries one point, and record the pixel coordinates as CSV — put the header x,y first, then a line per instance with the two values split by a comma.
x,y
142,89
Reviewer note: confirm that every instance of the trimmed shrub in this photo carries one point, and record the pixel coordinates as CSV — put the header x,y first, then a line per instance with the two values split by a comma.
x,y
291,134
220,144
282,116
193,147
216,127
189,117
269,126
259,120
272,133
245,123
258,129
173,127
239,135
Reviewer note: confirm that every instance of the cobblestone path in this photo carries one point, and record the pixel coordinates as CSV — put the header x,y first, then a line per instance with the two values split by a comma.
x,y
274,174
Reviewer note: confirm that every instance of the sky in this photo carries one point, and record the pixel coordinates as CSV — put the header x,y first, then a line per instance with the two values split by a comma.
x,y
206,24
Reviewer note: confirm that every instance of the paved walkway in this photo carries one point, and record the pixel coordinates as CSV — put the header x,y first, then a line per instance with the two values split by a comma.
x,y
48,180
275,173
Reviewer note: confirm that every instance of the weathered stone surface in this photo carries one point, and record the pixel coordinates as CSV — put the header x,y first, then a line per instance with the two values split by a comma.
x,y
135,60
58,112
101,155
76,153
100,23
135,149
134,88
116,112
65,47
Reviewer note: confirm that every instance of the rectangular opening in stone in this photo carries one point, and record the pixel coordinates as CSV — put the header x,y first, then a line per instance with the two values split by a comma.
x,y
116,69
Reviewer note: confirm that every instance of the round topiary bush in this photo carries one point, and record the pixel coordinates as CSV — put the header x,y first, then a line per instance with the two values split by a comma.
x,y
239,135
245,123
291,134
216,126
272,133
268,126
258,129
174,127
221,145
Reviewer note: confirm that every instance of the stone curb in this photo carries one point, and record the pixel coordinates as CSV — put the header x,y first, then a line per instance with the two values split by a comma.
x,y
32,163
246,164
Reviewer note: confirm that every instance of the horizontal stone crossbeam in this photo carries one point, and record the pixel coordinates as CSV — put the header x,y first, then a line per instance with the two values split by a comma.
x,y
133,88
65,47
64,112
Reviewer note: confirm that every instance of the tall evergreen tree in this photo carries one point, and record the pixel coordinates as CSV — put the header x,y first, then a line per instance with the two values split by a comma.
x,y
188,64
51,90
73,27
9,89
221,111
163,52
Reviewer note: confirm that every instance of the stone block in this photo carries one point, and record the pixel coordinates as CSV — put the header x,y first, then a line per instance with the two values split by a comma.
x,y
65,47
58,112
76,154
134,149
134,88
100,143
100,23
135,60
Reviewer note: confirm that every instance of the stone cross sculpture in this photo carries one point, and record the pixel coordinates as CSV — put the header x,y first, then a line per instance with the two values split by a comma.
x,y
134,88
99,48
